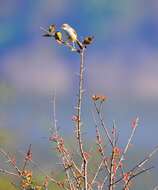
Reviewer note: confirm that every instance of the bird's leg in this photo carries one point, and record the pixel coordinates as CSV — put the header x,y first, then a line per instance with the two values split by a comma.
x,y
73,45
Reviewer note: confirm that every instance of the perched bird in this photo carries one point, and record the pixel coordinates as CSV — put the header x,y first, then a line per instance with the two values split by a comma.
x,y
52,28
72,34
88,40
51,31
58,37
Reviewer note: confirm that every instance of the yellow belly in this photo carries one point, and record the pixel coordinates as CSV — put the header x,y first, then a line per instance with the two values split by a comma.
x,y
72,36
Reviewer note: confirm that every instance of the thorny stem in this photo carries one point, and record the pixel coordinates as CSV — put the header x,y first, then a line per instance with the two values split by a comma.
x,y
79,104
64,156
112,174
81,52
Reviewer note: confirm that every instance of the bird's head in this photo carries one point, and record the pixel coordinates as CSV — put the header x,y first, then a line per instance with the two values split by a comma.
x,y
65,26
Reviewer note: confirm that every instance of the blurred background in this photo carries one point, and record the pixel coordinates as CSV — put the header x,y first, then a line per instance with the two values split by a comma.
x,y
121,64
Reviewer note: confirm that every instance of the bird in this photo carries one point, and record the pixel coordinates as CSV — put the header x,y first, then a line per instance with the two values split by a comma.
x,y
58,37
71,34
51,31
88,40
52,28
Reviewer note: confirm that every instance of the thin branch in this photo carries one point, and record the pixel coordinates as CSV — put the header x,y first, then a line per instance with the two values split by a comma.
x,y
128,143
102,185
140,164
148,158
103,124
97,172
99,143
130,139
8,172
48,176
114,134
10,161
28,157
40,169
135,175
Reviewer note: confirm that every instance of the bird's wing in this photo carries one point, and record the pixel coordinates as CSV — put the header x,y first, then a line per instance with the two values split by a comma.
x,y
74,31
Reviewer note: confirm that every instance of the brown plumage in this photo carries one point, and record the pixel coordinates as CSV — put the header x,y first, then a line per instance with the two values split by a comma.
x,y
51,31
88,40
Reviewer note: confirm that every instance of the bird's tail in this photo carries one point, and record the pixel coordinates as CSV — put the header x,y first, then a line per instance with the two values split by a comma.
x,y
79,44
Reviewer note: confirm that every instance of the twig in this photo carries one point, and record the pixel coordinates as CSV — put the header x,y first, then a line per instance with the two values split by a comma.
x,y
147,158
48,176
40,169
129,142
28,157
8,172
99,143
135,175
102,123
140,164
97,172
102,185
10,161
115,135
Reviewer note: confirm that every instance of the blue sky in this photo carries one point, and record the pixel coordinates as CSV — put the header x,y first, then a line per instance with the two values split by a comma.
x,y
122,64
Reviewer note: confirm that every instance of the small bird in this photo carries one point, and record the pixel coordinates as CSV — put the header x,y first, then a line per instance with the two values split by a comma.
x,y
51,31
52,28
58,37
72,34
88,40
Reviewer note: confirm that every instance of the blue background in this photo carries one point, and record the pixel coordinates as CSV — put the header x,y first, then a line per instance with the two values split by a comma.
x,y
121,64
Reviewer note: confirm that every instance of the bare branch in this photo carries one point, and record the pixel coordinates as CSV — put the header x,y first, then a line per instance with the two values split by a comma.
x,y
9,159
97,172
8,172
135,175
102,123
28,157
141,163
129,142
